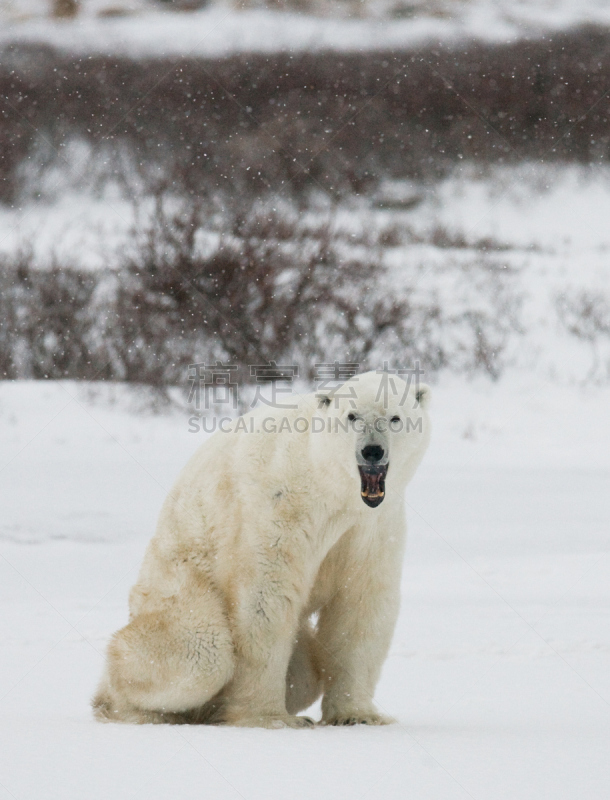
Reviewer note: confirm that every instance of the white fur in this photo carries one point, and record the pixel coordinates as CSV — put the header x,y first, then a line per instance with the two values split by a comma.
x,y
260,532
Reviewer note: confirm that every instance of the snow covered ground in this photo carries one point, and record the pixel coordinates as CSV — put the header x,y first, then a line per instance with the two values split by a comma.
x,y
499,673
145,29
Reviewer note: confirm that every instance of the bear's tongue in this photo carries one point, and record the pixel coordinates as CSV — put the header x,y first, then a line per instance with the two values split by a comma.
x,y
372,484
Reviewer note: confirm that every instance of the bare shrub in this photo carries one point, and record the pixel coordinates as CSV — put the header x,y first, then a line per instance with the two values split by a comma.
x,y
65,9
45,320
273,289
199,284
443,238
8,326
481,340
282,286
585,314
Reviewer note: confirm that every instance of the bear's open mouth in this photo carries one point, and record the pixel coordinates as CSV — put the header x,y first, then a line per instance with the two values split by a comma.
x,y
372,483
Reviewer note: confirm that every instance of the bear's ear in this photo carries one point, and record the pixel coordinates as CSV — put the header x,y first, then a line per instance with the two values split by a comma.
x,y
323,400
422,395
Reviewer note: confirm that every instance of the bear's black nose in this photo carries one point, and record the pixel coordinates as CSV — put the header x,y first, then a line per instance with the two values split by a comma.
x,y
372,453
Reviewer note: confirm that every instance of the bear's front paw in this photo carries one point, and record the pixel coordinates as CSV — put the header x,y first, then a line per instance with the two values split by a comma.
x,y
275,721
357,717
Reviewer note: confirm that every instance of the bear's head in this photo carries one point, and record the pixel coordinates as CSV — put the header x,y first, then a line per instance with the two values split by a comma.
x,y
382,425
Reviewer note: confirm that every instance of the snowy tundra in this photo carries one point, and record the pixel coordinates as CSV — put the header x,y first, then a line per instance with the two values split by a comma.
x,y
284,514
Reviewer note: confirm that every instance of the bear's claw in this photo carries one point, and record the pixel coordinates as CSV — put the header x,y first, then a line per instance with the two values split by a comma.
x,y
359,719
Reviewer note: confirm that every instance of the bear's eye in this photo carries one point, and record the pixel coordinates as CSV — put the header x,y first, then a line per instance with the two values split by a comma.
x,y
351,417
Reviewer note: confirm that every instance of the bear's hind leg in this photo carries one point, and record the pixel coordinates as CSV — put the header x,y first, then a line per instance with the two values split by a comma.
x,y
303,682
166,665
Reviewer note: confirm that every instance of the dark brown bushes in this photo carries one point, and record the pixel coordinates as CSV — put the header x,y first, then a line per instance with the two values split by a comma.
x,y
339,121
45,318
270,288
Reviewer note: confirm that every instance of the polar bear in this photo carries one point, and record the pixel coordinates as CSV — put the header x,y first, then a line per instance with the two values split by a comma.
x,y
274,573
